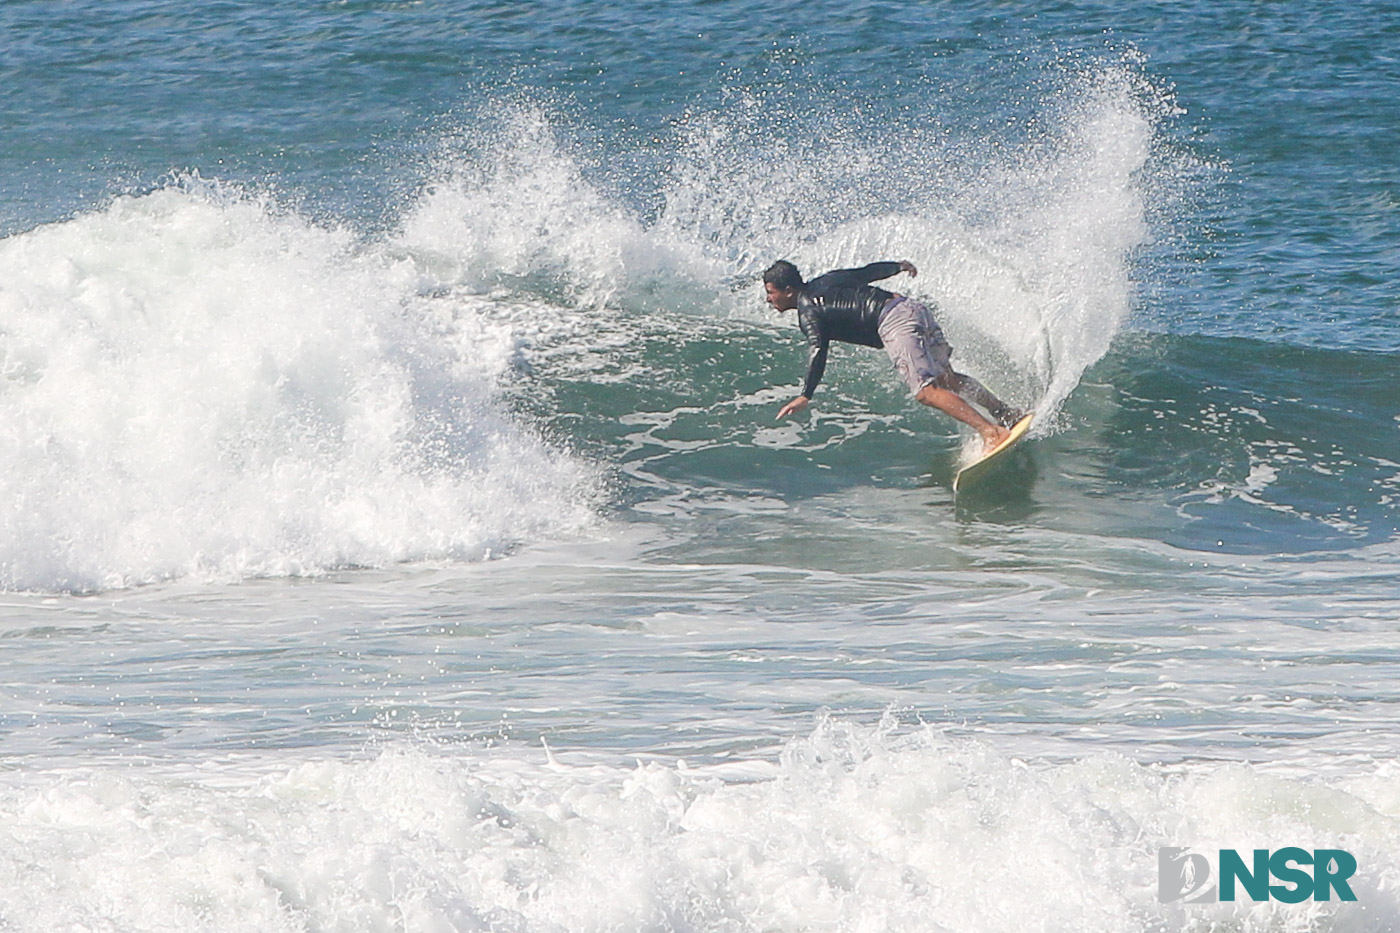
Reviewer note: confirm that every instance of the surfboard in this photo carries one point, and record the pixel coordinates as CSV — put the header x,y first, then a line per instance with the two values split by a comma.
x,y
981,467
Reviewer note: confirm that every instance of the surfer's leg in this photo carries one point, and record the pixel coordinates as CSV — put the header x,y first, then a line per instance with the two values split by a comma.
x,y
916,346
952,404
976,393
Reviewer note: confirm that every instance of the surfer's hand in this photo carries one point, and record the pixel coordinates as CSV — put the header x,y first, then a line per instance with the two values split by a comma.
x,y
907,266
793,406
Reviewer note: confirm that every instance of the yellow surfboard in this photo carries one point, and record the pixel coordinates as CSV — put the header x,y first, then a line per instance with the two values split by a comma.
x,y
979,468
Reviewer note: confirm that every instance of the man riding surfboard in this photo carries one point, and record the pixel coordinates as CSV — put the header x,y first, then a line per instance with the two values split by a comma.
x,y
843,305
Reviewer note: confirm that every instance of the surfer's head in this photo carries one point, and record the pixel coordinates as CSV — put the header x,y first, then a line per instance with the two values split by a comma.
x,y
781,283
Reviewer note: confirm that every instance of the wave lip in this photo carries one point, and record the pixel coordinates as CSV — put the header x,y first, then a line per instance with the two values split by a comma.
x,y
195,383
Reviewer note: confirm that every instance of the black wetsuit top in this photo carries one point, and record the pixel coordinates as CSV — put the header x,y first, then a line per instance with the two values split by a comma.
x,y
841,305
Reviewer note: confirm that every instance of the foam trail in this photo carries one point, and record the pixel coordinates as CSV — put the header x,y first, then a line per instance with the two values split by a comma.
x,y
193,382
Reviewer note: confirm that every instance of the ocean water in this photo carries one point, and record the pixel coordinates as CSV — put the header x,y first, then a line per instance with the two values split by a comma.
x,y
395,533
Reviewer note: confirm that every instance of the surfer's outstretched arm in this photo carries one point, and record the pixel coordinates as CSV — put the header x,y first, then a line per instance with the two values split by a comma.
x,y
816,365
873,272
793,407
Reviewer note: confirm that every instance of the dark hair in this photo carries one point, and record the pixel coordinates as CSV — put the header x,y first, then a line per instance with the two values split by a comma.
x,y
784,275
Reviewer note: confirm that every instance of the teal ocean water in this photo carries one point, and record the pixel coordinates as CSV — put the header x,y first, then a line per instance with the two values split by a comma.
x,y
396,534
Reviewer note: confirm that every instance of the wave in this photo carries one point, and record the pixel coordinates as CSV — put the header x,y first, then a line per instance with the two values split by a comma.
x,y
853,827
1219,444
196,383
1259,446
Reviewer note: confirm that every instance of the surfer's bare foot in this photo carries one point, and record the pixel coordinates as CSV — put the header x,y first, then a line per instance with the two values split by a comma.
x,y
992,437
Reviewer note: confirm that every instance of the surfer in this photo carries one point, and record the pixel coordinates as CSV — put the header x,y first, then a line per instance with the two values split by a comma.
x,y
843,305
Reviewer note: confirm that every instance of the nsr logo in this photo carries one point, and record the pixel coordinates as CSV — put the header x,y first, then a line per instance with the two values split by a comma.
x,y
1183,876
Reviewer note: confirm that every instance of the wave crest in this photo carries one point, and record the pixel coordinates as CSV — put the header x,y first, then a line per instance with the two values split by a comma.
x,y
193,382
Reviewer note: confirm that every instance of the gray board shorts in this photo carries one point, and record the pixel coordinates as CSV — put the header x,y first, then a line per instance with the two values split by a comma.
x,y
914,342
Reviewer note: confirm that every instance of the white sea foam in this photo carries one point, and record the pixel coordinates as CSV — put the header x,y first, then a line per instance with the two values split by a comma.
x,y
851,829
193,382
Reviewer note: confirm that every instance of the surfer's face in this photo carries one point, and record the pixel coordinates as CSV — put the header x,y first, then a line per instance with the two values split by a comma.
x,y
782,299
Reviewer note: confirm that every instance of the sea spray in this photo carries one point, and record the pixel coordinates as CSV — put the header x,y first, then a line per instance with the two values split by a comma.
x,y
513,209
198,383
1027,248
